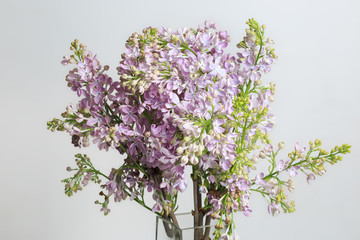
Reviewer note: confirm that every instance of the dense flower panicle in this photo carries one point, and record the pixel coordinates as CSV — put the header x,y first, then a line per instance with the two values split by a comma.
x,y
182,102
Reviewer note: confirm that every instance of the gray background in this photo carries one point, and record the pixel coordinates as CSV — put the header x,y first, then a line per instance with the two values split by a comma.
x,y
317,96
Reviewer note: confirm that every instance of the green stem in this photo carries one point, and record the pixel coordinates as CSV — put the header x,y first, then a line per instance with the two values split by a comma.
x,y
142,203
187,47
261,45
262,192
148,116
136,163
98,172
95,170
108,109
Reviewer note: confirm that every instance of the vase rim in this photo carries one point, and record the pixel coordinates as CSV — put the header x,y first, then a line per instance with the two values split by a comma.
x,y
182,214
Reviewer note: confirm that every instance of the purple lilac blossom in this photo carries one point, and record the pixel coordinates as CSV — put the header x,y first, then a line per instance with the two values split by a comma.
x,y
172,108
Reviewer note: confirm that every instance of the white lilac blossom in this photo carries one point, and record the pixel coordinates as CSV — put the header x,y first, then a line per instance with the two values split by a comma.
x,y
182,102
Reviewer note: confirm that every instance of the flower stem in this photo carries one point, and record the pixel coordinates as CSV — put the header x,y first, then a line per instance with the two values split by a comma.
x,y
207,229
198,222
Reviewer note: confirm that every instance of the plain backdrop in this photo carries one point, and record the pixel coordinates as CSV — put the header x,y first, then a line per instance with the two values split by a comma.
x,y
317,96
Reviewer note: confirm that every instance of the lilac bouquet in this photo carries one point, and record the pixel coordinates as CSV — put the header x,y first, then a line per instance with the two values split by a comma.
x,y
182,102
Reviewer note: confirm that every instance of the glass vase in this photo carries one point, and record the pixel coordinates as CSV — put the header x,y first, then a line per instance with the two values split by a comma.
x,y
166,230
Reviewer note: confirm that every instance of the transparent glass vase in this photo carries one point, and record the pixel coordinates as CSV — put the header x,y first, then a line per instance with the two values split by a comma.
x,y
166,230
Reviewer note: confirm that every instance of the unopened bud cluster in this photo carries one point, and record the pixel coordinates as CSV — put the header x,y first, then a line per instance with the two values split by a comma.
x,y
84,173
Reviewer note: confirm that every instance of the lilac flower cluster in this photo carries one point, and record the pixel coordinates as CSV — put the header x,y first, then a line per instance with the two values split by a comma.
x,y
183,102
